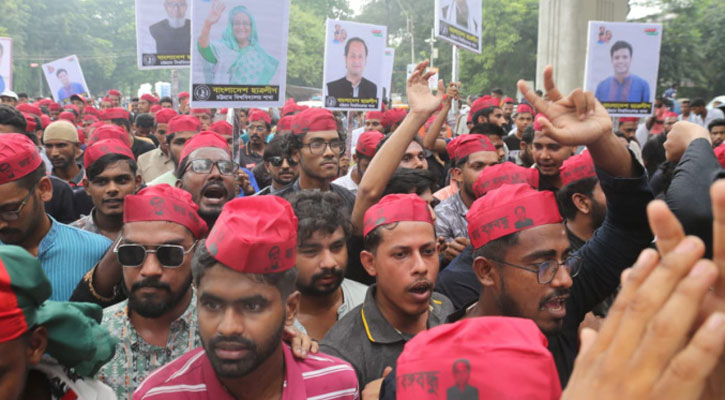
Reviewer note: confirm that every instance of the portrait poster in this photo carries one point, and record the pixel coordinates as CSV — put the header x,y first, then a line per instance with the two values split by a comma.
x,y
354,69
6,64
65,78
622,66
388,61
163,33
459,22
239,53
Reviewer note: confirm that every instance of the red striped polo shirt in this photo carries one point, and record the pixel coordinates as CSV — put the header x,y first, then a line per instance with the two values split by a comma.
x,y
191,376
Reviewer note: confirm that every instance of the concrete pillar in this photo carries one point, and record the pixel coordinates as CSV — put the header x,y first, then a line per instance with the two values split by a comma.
x,y
563,26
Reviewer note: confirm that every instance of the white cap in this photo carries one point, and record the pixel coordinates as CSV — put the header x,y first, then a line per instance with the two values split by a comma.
x,y
9,93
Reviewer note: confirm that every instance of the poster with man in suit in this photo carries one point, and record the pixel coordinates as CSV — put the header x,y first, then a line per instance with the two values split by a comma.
x,y
163,33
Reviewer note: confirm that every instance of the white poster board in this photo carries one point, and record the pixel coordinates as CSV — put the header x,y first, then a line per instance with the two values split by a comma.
x,y
459,22
354,52
6,64
622,64
244,63
65,78
163,33
388,62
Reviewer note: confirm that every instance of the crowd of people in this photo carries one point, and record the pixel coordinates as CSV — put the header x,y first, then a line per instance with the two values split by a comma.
x,y
492,248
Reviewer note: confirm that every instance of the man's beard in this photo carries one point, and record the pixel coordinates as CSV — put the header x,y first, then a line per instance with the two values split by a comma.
x,y
176,23
255,356
313,290
210,216
17,236
151,308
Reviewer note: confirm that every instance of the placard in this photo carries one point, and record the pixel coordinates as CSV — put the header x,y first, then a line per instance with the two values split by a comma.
x,y
388,62
622,65
163,34
65,78
6,64
354,65
239,53
459,22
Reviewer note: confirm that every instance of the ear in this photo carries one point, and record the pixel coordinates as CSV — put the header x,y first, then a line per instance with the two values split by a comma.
x,y
354,158
139,181
36,347
46,189
179,184
582,203
457,174
85,184
368,262
78,151
485,271
292,305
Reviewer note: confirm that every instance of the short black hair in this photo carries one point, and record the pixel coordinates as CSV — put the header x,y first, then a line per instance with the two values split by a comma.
x,y
462,361
100,165
279,146
319,212
528,135
11,116
202,260
715,122
122,122
31,179
563,197
23,95
618,45
61,70
355,39
497,91
488,129
409,180
416,139
497,248
145,120
698,102
134,98
166,99
372,240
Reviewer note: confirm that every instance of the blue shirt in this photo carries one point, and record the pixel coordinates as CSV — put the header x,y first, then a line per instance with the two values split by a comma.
x,y
66,254
633,89
75,88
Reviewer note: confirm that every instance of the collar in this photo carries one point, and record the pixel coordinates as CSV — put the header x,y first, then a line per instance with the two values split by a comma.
x,y
459,204
379,330
76,180
49,239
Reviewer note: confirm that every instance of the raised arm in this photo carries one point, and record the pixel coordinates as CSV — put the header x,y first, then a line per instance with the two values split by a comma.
x,y
215,14
431,140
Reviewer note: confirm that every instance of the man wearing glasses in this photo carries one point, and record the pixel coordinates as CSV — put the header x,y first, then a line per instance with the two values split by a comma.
x,y
173,34
65,253
281,162
319,145
259,124
157,323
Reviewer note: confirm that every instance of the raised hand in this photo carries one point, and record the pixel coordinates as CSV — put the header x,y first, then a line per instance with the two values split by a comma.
x,y
420,98
452,92
215,14
578,119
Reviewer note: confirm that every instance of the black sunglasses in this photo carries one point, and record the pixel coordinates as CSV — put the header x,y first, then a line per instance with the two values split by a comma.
x,y
276,161
134,255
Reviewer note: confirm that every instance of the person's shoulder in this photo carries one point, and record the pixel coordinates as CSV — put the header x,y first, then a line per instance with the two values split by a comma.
x,y
164,23
336,83
368,83
442,306
339,376
173,378
604,82
344,330
85,238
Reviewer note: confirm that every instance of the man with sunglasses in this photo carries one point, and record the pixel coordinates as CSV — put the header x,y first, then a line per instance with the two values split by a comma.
x,y
157,323
259,126
319,145
179,129
208,173
65,253
281,162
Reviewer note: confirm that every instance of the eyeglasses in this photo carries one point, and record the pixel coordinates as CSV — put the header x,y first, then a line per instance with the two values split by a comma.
x,y
319,146
258,128
277,161
134,255
547,270
9,216
205,166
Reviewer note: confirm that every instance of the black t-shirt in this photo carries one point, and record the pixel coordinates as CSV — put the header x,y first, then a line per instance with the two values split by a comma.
x,y
512,142
140,146
60,206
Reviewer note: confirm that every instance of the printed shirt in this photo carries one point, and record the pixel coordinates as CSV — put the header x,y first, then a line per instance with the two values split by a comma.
x,y
451,218
86,223
135,359
192,376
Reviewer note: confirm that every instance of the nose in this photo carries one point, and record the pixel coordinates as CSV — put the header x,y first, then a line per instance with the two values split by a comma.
x,y
562,279
112,188
151,266
328,151
232,323
420,266
327,260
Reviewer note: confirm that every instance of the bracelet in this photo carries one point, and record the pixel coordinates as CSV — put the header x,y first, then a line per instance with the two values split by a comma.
x,y
89,279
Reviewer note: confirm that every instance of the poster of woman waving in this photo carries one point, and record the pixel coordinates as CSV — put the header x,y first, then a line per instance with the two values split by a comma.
x,y
239,53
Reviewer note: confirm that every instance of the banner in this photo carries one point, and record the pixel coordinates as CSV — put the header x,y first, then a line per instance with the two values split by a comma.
x,y
622,64
6,64
163,34
388,62
459,22
354,65
239,53
65,78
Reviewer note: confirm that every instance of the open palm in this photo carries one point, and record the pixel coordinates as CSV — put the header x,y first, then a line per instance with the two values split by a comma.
x,y
420,97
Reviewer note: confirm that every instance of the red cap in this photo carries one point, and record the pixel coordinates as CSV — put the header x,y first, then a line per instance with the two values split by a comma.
x,y
54,106
18,157
465,145
109,131
314,120
204,139
30,125
80,97
81,136
524,108
255,234
92,111
670,114
165,115
201,111
115,113
375,115
44,121
113,92
720,154
628,119
223,111
222,127
164,203
106,146
510,209
393,116
151,99
396,208
495,366
368,142
508,173
507,100
155,108
285,123
72,107
90,117
183,123
577,167
68,116
44,102
29,108
481,103
183,95
289,107
537,124
259,115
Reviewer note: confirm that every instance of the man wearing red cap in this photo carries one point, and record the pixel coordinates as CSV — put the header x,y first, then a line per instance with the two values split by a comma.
x,y
145,103
204,116
469,154
549,156
374,121
157,162
319,145
65,253
79,101
364,152
180,129
115,97
110,177
259,126
401,252
392,119
523,118
63,149
245,276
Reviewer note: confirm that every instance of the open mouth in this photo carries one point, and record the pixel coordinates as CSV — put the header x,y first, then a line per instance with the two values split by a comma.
x,y
556,306
421,290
